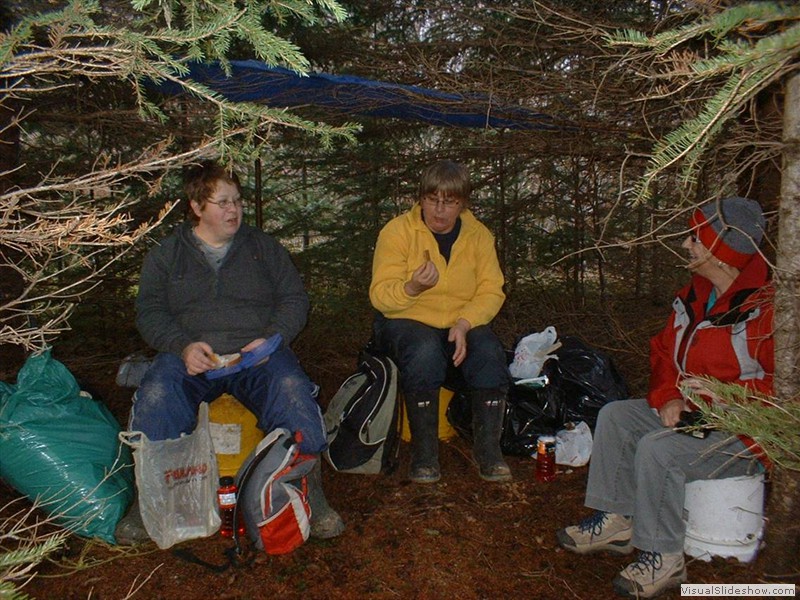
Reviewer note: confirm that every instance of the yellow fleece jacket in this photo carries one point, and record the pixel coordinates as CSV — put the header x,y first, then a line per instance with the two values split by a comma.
x,y
470,286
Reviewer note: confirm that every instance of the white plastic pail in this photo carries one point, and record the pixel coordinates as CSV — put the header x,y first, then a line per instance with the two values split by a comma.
x,y
724,517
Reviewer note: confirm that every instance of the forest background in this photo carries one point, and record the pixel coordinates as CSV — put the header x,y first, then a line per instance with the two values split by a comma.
x,y
588,212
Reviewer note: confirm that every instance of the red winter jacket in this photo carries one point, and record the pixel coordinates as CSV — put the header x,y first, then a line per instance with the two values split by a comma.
x,y
732,343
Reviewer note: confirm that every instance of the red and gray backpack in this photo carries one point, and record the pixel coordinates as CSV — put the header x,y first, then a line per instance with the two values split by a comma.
x,y
273,494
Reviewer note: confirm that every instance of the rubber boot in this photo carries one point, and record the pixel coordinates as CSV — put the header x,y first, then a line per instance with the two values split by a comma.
x,y
488,410
325,522
423,420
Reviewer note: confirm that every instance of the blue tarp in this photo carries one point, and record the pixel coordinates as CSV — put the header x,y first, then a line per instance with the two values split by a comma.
x,y
254,81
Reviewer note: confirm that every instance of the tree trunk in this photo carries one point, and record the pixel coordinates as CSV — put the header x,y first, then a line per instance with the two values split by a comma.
x,y
782,553
11,283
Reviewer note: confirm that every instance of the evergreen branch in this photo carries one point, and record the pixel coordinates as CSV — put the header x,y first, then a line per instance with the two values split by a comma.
x,y
775,426
198,32
32,554
307,12
756,15
76,15
333,8
208,35
742,67
270,48
740,55
8,591
690,140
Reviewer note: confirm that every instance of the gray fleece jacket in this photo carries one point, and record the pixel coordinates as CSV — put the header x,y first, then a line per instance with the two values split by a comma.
x,y
256,293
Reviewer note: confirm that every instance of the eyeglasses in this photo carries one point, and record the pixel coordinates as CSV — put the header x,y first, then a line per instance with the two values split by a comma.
x,y
433,200
227,203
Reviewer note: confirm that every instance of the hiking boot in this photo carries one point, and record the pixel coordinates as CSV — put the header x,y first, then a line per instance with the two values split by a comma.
x,y
488,411
130,529
423,421
598,532
651,574
325,522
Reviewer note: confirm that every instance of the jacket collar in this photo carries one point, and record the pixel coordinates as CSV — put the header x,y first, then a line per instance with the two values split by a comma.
x,y
468,220
741,297
185,231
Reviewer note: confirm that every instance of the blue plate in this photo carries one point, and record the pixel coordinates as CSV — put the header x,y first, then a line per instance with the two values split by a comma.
x,y
249,359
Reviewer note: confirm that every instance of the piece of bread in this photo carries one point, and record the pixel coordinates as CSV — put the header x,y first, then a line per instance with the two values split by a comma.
x,y
226,360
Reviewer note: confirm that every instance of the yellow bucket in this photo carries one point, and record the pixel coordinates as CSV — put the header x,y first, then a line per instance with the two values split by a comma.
x,y
446,430
233,431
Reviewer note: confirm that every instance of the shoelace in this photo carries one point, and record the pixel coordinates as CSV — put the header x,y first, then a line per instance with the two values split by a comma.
x,y
647,562
594,523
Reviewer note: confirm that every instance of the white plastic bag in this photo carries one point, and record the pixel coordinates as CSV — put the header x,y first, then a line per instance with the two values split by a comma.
x,y
574,446
531,353
177,483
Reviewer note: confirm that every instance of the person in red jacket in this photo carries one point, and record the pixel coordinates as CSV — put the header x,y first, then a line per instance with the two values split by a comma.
x,y
720,327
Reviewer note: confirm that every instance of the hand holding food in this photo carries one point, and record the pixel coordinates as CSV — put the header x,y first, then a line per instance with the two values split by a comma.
x,y
198,358
255,353
423,278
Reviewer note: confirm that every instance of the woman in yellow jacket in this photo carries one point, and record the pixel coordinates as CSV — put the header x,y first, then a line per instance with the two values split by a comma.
x,y
437,285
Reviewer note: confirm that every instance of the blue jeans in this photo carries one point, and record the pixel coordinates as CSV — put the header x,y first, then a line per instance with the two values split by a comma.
x,y
278,393
423,355
639,468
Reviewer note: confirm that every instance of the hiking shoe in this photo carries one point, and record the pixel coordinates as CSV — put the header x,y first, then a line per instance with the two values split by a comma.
x,y
651,574
598,532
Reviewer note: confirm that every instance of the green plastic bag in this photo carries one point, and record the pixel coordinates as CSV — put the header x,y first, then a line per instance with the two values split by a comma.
x,y
59,447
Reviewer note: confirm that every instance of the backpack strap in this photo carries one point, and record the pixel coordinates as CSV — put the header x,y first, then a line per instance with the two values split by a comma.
x,y
191,557
392,451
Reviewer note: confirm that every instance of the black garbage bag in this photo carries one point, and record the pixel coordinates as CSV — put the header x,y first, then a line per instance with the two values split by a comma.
x,y
531,413
580,382
588,380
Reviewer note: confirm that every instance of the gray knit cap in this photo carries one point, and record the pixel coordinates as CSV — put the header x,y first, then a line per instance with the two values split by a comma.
x,y
731,229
